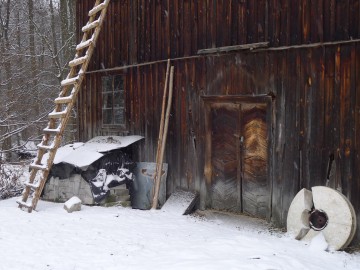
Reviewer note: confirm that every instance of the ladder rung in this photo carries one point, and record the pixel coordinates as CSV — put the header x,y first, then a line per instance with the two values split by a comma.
x,y
51,130
46,147
84,44
38,167
70,81
90,26
96,9
32,185
63,100
58,114
24,204
78,61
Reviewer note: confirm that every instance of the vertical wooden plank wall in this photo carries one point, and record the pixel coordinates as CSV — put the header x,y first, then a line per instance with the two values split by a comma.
x,y
317,90
141,31
356,149
316,105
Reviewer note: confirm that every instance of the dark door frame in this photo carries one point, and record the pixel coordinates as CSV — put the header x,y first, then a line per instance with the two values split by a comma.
x,y
234,102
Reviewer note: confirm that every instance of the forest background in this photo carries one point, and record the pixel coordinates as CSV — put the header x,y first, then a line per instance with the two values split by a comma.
x,y
37,40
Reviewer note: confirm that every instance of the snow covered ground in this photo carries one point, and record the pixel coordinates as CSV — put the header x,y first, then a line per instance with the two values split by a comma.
x,y
122,238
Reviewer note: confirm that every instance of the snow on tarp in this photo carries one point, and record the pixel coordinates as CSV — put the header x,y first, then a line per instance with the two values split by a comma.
x,y
81,155
76,154
109,171
103,144
100,162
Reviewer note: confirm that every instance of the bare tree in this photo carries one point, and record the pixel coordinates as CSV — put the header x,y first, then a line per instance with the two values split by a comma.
x,y
34,51
6,95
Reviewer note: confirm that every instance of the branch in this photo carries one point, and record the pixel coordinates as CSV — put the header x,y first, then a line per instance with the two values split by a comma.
x,y
21,128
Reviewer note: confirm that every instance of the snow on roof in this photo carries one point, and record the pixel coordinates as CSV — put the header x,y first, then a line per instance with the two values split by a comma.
x,y
82,155
79,156
103,144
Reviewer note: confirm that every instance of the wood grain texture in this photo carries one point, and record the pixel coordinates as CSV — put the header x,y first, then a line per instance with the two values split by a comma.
x,y
314,92
153,30
225,123
255,184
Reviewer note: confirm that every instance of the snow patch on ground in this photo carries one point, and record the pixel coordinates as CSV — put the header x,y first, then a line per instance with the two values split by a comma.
x,y
123,238
318,243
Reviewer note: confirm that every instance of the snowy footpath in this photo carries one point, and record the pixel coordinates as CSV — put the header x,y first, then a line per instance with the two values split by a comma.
x,y
122,238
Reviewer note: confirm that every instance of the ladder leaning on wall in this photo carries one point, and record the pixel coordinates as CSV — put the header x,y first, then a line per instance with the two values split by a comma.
x,y
63,105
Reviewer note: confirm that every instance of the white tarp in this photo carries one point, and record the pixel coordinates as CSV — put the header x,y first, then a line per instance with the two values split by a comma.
x,y
103,144
82,155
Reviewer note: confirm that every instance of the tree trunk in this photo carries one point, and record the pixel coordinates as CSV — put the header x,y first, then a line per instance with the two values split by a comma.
x,y
53,27
67,35
5,47
32,51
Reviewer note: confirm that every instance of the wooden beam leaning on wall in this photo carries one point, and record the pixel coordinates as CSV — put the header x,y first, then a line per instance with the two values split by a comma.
x,y
164,124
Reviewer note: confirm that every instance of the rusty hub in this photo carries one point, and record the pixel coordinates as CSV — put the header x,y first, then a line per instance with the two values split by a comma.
x,y
318,220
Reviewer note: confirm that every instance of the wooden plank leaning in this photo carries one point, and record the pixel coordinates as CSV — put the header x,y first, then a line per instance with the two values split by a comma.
x,y
162,135
161,130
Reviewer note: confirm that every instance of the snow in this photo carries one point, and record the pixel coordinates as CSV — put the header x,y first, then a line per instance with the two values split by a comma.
x,y
80,157
29,147
318,242
66,150
72,201
180,202
71,80
103,144
81,154
123,238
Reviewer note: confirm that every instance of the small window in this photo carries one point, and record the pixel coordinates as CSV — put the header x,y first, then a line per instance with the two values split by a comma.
x,y
113,100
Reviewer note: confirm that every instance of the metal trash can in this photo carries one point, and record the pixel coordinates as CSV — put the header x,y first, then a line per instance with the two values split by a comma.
x,y
141,190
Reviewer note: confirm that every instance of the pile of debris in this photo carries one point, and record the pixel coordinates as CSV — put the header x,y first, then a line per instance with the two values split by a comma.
x,y
98,172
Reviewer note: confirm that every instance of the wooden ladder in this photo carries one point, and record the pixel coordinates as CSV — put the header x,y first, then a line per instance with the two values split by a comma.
x,y
63,105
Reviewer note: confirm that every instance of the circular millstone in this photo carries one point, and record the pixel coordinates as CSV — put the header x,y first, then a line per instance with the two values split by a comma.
x,y
340,227
298,215
354,224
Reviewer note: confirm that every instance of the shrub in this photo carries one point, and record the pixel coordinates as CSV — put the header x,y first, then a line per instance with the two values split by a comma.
x,y
10,180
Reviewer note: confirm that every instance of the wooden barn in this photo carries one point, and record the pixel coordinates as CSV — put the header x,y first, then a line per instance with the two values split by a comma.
x,y
266,95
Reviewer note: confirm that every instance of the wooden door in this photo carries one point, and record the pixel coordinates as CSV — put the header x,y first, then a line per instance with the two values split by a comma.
x,y
224,159
238,160
255,184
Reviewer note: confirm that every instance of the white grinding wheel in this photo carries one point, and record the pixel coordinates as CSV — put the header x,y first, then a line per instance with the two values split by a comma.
x,y
298,215
341,225
354,224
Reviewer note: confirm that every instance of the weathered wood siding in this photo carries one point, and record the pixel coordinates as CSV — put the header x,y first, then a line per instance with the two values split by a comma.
x,y
316,91
139,31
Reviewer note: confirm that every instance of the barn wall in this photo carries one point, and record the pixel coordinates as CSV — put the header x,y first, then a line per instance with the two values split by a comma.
x,y
316,114
140,31
316,90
